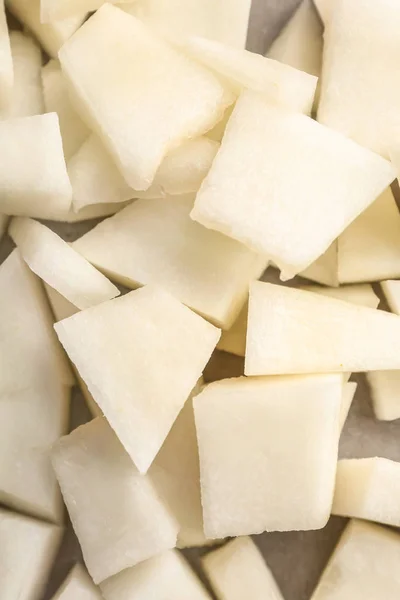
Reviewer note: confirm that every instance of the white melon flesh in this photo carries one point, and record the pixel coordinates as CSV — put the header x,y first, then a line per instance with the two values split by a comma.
x,y
33,175
116,514
29,353
276,82
163,577
283,322
349,390
78,586
56,263
325,9
385,394
140,356
156,242
325,269
6,63
3,224
242,422
364,565
27,550
360,96
115,65
296,167
238,570
58,10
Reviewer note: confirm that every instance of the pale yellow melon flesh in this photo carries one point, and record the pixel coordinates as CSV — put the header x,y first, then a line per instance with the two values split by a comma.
x,y
78,586
325,9
325,269
385,394
349,390
59,10
6,63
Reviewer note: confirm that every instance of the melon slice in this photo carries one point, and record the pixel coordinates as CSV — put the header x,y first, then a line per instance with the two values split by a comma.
x,y
3,224
244,420
140,356
160,578
54,261
238,570
250,197
6,63
363,566
30,422
283,322
156,242
33,174
78,586
349,390
325,269
116,513
27,549
119,71
385,394
58,10
368,488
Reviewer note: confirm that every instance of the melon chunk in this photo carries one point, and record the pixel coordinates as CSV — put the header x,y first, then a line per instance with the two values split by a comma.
x,y
325,269
249,196
156,242
368,488
291,482
54,261
6,63
27,548
385,394
119,71
349,390
116,347
238,570
58,10
116,513
276,82
78,586
283,322
33,174
163,577
364,565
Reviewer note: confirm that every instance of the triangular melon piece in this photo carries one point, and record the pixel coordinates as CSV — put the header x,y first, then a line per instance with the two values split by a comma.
x,y
114,64
337,335
385,394
325,269
78,586
59,10
6,63
116,513
295,192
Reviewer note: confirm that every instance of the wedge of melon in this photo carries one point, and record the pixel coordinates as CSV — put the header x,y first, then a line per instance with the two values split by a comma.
x,y
6,63
385,394
78,586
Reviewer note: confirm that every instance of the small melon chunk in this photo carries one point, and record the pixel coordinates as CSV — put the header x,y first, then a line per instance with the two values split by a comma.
x,y
364,565
140,95
78,586
116,514
238,570
283,322
6,63
349,390
324,270
250,197
163,577
27,550
385,394
33,174
291,482
58,10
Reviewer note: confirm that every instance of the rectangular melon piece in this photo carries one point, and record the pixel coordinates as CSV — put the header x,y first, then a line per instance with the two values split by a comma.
x,y
385,394
156,242
78,586
115,511
114,65
360,96
140,356
364,565
260,197
242,422
368,488
33,175
30,422
163,577
238,570
28,548
6,63
56,263
58,10
339,336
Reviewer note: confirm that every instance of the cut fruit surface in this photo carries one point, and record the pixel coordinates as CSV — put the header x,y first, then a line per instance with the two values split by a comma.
x,y
58,10
325,269
78,586
325,9
385,394
6,63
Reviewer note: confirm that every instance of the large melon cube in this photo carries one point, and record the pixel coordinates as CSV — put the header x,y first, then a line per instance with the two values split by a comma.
x,y
78,586
257,421
6,63
385,394
116,513
295,192
119,71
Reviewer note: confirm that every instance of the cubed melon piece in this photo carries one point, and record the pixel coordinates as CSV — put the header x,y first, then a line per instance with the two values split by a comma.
x,y
296,167
163,577
28,548
276,82
115,65
325,269
30,422
58,10
54,261
140,356
33,175
385,394
364,565
283,322
156,242
368,488
238,570
349,390
242,422
115,511
3,224
359,95
78,586
29,353
6,63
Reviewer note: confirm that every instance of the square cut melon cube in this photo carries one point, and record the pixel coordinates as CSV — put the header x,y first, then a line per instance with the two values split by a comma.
x,y
385,394
78,586
291,482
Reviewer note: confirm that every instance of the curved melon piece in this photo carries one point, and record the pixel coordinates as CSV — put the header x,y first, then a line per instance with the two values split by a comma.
x,y
385,394
6,63
78,586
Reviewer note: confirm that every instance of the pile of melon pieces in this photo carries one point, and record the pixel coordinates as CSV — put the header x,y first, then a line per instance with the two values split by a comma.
x,y
208,164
